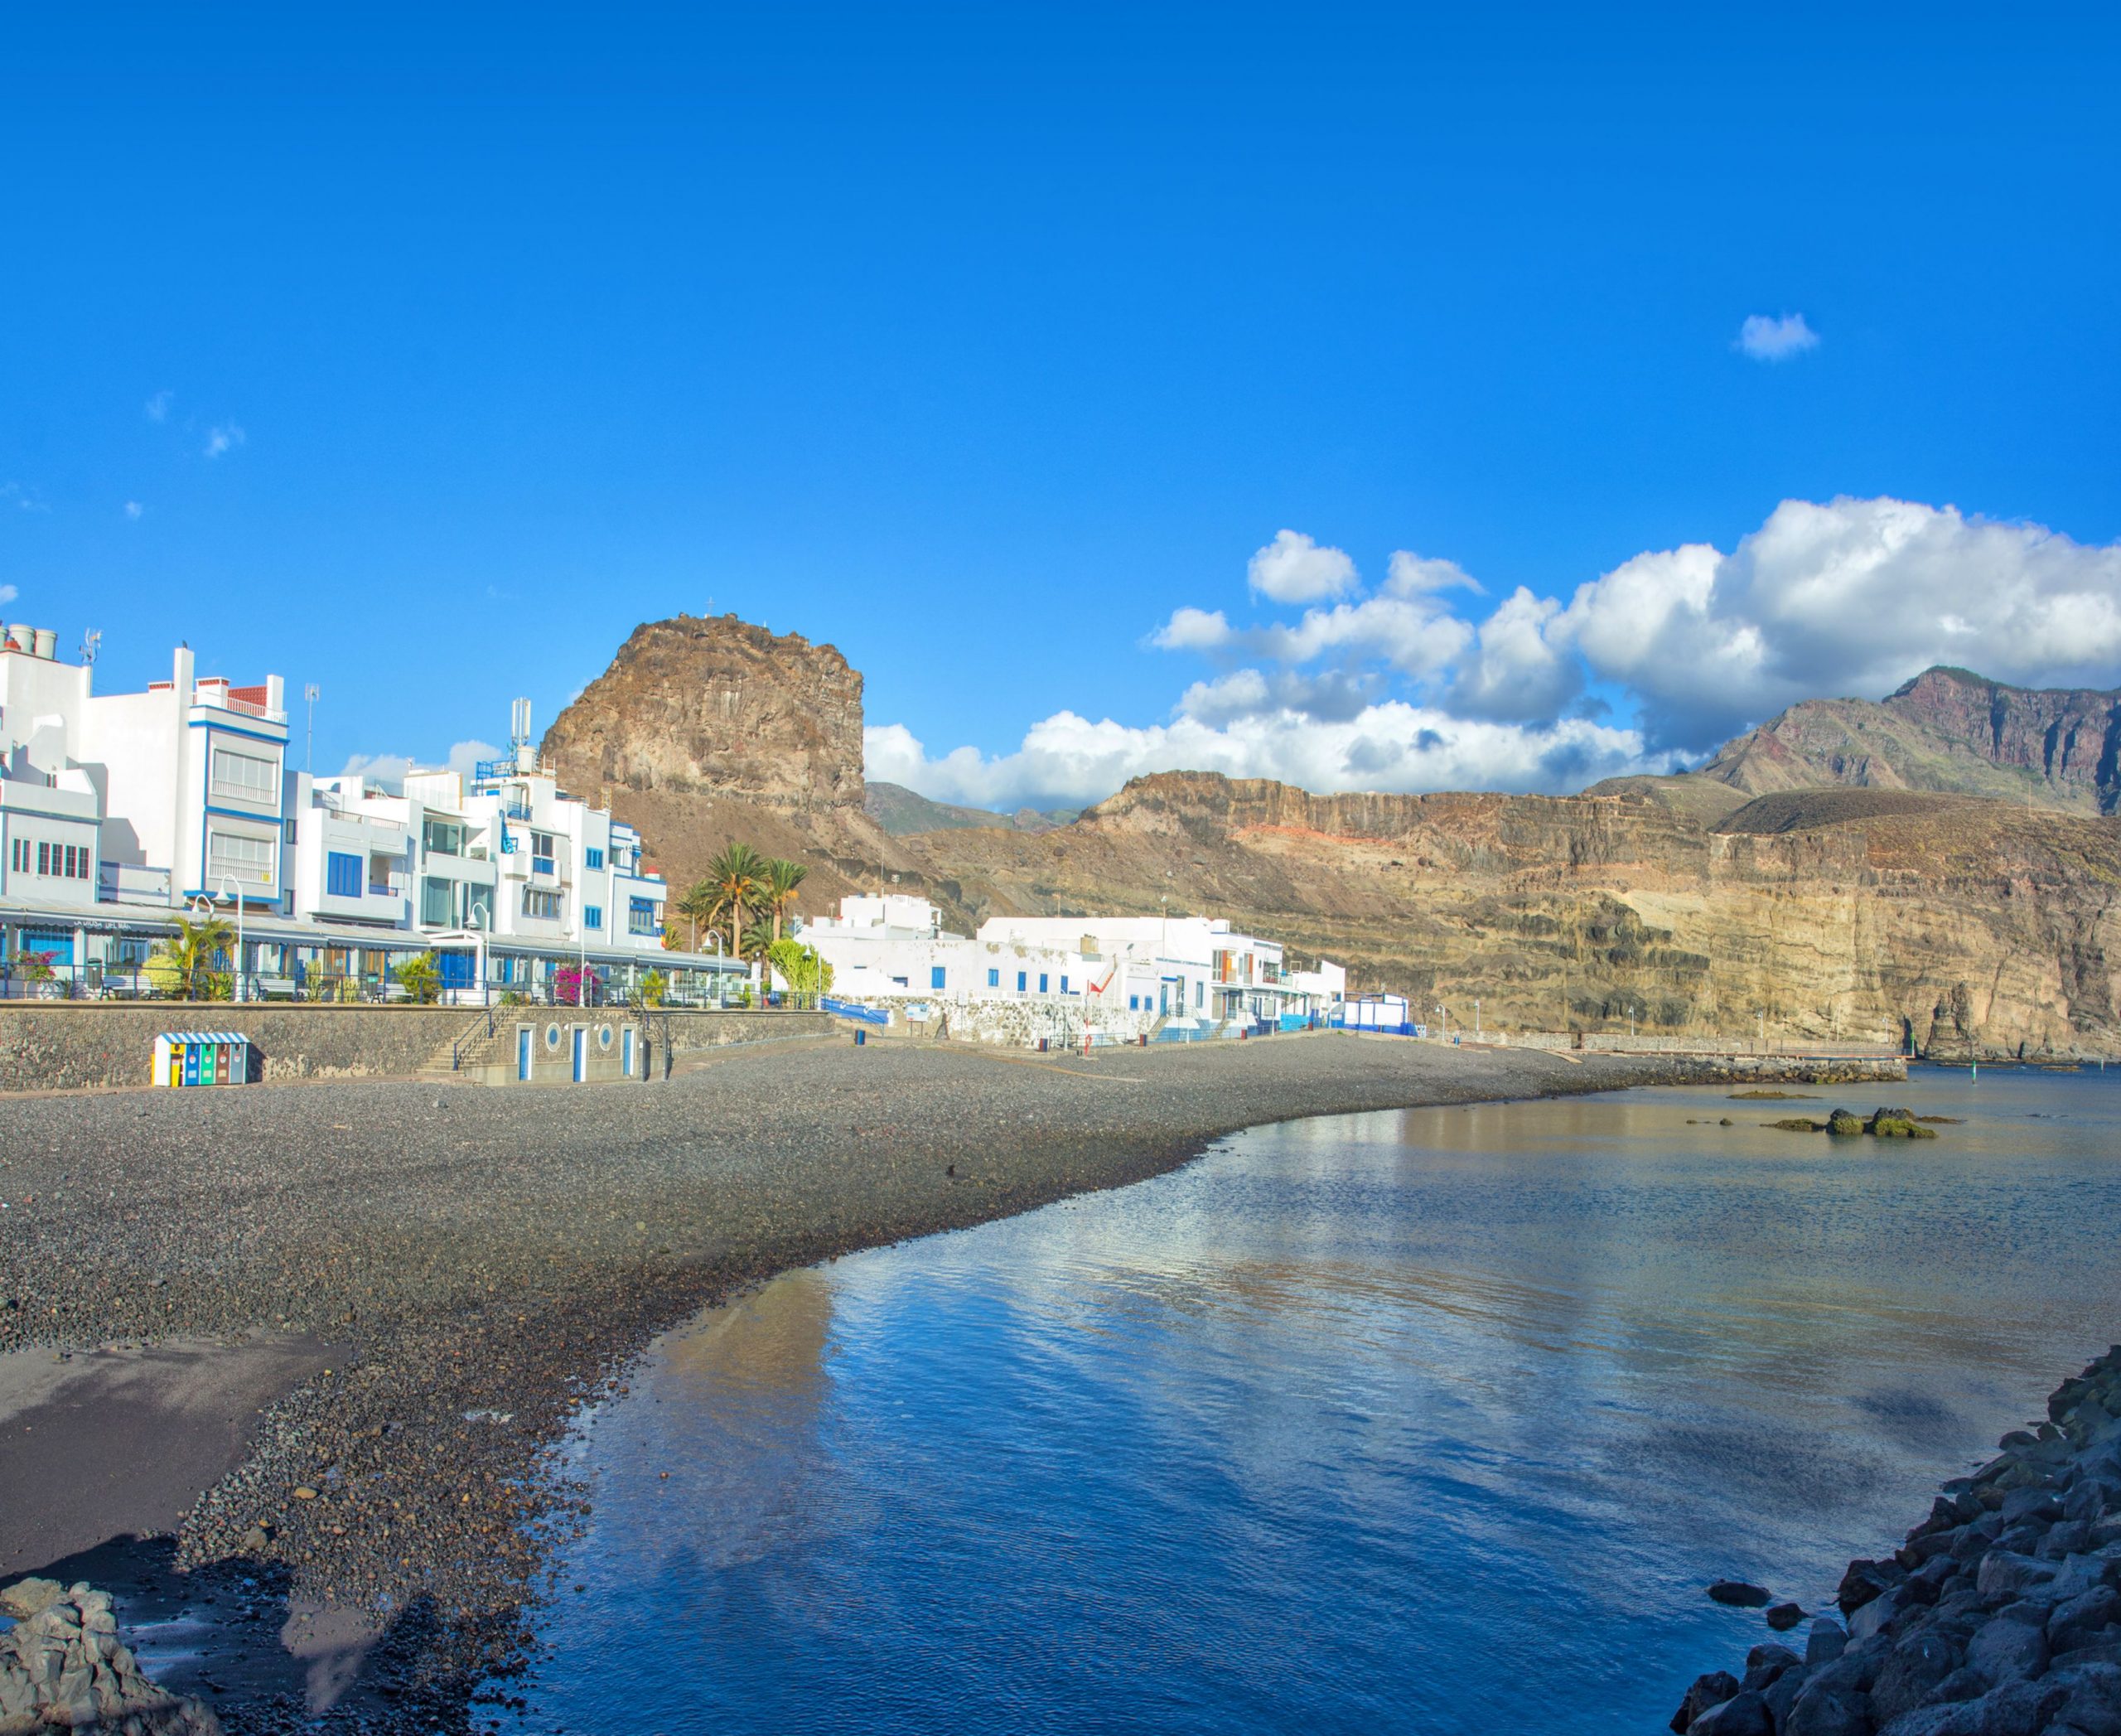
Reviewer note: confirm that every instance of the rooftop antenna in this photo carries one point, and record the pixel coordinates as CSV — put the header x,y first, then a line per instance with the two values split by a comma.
x,y
90,641
311,694
519,733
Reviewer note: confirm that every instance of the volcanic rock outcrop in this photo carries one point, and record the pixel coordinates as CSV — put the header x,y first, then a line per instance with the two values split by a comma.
x,y
707,730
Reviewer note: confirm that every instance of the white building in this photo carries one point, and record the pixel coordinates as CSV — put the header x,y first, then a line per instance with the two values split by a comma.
x,y
119,812
1189,971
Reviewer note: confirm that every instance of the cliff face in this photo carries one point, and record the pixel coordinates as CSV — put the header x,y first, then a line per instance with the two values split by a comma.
x,y
707,731
1946,730
1850,914
1873,909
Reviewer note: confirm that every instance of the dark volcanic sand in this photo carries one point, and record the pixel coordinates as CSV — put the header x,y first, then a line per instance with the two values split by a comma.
x,y
489,1259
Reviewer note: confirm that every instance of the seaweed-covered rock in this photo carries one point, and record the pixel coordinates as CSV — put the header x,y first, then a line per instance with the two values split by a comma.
x,y
1844,1123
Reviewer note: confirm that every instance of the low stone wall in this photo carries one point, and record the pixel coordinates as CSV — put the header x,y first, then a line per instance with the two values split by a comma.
x,y
66,1045
1015,1023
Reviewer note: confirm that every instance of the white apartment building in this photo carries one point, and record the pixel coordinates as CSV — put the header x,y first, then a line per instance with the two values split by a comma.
x,y
1188,971
116,807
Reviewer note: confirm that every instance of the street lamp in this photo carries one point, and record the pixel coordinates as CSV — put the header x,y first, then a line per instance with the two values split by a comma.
x,y
478,906
1443,1012
202,906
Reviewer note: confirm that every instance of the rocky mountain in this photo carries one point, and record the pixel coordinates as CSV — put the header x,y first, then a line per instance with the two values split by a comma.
x,y
1743,899
1948,729
707,729
1845,913
900,811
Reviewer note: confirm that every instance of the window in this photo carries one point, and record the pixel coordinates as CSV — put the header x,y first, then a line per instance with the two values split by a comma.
x,y
1041,982
43,856
1021,980
247,777
1199,993
1063,986
591,857
1134,1003
993,979
18,857
935,976
593,915
248,860
441,837
438,902
342,875
640,916
541,904
541,853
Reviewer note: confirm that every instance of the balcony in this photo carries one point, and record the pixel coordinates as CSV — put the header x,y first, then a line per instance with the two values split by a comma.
x,y
132,883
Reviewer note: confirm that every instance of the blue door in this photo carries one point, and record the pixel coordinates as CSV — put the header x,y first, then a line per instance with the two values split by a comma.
x,y
581,1054
523,1053
626,1050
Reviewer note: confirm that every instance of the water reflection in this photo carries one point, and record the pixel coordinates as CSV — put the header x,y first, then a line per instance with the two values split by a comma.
x,y
1383,1422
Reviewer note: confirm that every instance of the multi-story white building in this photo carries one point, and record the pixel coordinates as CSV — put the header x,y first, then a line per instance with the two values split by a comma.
x,y
115,807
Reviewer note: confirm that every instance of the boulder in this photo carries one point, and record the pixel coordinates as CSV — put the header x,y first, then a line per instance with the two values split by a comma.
x,y
2005,1649
1740,1595
2083,1619
1843,1124
1744,1715
1911,1674
1783,1617
1711,1690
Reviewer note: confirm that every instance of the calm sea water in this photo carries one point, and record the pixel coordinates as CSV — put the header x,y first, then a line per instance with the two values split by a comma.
x,y
1429,1422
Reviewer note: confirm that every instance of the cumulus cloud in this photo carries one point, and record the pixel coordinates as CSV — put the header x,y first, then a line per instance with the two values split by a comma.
x,y
1394,745
1293,568
223,437
156,408
389,769
1193,630
1850,598
26,500
8,593
1515,672
1777,340
1413,575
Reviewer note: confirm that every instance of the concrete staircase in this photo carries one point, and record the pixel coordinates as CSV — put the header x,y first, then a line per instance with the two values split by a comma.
x,y
481,1041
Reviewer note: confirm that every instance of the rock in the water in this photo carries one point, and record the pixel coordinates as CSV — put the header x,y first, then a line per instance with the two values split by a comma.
x,y
1738,1593
1783,1617
1744,1715
1843,1124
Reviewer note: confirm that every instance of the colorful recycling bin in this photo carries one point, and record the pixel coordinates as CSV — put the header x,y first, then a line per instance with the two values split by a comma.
x,y
202,1058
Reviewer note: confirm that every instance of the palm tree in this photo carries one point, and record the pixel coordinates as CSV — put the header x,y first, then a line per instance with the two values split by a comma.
x,y
194,948
696,905
782,879
734,876
758,935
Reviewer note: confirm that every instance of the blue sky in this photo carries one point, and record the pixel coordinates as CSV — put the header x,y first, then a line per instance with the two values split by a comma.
x,y
422,354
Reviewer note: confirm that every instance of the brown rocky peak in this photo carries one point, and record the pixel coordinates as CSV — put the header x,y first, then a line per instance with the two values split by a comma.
x,y
717,706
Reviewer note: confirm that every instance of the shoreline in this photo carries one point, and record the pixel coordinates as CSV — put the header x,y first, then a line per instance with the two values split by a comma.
x,y
483,1263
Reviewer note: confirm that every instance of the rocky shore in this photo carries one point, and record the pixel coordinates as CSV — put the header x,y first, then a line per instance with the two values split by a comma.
x,y
446,1276
1999,1616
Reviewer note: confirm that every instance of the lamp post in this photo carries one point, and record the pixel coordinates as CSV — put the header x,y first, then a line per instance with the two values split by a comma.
x,y
478,927
715,936
202,906
1443,1012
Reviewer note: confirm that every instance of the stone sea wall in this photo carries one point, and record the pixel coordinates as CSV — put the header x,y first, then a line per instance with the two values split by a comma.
x,y
1999,1616
67,1045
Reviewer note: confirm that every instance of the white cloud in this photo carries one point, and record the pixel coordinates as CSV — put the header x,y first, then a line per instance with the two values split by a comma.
x,y
1393,746
1293,568
133,509
8,593
1414,575
27,499
1193,630
1777,340
1515,672
390,768
1850,598
158,407
224,437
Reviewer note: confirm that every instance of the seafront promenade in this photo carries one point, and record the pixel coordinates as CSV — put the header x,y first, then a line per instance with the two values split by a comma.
x,y
323,1332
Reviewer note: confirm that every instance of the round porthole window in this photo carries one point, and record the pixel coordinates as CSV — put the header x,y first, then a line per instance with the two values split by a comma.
x,y
603,1037
551,1037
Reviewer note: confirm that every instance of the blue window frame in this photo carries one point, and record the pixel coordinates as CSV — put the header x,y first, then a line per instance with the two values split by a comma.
x,y
342,874
1063,986
1021,980
1041,982
593,857
935,976
593,915
993,979
640,916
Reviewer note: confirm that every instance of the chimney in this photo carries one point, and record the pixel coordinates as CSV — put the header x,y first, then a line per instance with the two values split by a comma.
x,y
276,695
181,674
